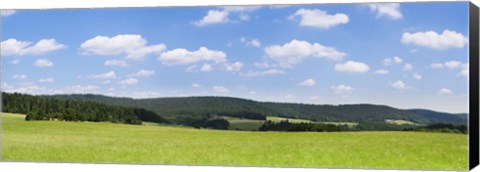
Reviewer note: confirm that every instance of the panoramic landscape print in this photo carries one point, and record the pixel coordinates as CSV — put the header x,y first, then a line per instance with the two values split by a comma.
x,y
377,86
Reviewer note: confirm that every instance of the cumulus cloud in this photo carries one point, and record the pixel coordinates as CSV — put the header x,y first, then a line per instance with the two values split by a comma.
x,y
352,67
15,61
13,47
5,13
291,53
388,10
318,18
465,70
265,72
342,89
400,85
388,61
436,65
432,39
114,62
407,67
212,17
417,76
453,64
19,76
220,89
445,91
129,81
83,89
145,94
195,85
42,63
206,68
107,75
46,80
183,56
237,66
221,15
142,73
254,42
132,46
382,72
307,82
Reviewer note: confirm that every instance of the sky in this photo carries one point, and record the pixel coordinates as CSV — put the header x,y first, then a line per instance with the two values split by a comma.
x,y
405,55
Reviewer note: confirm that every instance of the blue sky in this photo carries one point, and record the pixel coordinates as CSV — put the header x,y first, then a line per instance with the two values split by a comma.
x,y
408,55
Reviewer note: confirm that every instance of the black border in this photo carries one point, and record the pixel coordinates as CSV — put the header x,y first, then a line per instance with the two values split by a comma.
x,y
474,86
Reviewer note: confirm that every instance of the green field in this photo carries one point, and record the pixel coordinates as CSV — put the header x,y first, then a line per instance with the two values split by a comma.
x,y
399,122
56,141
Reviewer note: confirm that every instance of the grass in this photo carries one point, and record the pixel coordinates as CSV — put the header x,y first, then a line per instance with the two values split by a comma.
x,y
56,141
244,124
399,122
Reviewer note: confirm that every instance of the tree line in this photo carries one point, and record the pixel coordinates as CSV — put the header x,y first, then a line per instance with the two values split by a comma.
x,y
47,108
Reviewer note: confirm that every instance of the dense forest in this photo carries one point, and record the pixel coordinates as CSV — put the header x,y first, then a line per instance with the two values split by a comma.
x,y
183,110
47,108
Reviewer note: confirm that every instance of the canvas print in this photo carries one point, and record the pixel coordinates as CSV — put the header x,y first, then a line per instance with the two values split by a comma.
x,y
376,86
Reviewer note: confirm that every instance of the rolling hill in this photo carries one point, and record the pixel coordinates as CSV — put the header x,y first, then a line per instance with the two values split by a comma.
x,y
180,109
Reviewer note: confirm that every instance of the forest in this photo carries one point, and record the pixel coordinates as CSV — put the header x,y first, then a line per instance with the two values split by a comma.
x,y
45,108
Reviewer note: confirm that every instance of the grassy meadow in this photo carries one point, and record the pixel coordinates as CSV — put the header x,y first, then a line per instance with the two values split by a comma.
x,y
104,142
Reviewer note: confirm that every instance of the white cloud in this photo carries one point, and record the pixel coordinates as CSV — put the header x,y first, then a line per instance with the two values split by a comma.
x,y
42,63
107,75
266,72
382,72
417,76
342,89
352,67
244,17
318,18
407,67
237,66
436,65
13,47
465,70
183,56
143,73
255,43
19,76
222,15
445,91
145,94
252,93
5,13
293,52
453,64
314,98
15,61
129,81
212,17
133,46
114,62
83,89
220,89
307,82
431,39
195,85
46,80
264,65
413,50
396,59
399,85
206,68
389,10
28,88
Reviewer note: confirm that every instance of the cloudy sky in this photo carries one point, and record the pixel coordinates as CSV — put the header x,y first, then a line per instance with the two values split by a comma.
x,y
409,55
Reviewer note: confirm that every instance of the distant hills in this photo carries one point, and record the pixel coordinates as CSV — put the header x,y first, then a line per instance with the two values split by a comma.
x,y
182,109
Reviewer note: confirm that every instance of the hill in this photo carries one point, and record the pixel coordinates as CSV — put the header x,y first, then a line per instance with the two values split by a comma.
x,y
183,109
